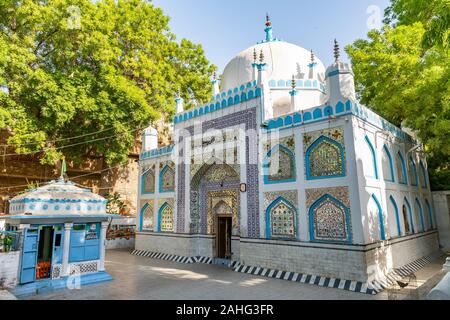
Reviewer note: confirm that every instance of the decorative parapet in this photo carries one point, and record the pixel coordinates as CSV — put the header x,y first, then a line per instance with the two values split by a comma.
x,y
155,153
300,84
325,112
221,101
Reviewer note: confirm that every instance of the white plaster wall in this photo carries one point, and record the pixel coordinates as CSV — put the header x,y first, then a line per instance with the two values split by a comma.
x,y
360,263
9,268
384,257
441,200
177,244
315,259
383,189
120,243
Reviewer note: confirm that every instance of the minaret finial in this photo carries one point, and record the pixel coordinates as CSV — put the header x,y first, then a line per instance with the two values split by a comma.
x,y
293,83
336,50
63,168
312,56
261,57
255,56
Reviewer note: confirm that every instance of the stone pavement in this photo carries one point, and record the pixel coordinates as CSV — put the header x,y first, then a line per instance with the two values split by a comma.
x,y
143,278
420,283
6,295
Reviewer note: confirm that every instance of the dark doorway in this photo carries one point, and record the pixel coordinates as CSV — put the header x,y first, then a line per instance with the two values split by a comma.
x,y
224,225
45,251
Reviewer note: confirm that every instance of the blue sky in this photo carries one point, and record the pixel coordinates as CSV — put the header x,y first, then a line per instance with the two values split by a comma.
x,y
226,27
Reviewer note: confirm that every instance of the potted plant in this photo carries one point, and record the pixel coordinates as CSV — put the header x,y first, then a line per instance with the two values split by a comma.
x,y
7,243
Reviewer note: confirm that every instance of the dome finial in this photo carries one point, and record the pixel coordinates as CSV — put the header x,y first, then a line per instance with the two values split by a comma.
x,y
268,29
336,50
268,22
63,168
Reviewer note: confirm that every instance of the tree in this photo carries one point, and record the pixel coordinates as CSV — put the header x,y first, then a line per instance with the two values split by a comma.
x,y
105,68
406,78
433,14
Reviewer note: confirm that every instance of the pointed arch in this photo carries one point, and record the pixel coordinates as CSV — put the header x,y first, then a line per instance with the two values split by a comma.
x,y
148,181
211,164
325,158
380,217
411,221
329,220
414,179
374,157
422,220
286,165
167,179
388,176
146,218
424,174
397,218
281,219
430,213
401,169
165,218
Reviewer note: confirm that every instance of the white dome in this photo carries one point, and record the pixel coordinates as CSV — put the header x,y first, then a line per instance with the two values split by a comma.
x,y
283,60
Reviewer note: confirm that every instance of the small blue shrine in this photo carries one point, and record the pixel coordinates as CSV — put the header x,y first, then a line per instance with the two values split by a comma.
x,y
63,231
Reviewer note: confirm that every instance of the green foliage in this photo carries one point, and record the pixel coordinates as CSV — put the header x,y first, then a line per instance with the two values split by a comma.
x,y
74,67
405,77
115,205
433,14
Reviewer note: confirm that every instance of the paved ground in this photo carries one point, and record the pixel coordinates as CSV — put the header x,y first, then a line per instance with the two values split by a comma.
x,y
144,278
5,295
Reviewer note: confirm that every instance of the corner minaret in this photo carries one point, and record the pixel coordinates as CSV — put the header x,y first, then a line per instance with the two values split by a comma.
x,y
255,65
262,67
215,85
263,84
340,80
294,99
149,139
179,103
312,65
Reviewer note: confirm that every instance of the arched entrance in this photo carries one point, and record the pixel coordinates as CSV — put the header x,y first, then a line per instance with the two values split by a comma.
x,y
214,205
223,214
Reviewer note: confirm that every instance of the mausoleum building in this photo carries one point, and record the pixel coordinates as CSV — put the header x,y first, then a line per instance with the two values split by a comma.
x,y
284,169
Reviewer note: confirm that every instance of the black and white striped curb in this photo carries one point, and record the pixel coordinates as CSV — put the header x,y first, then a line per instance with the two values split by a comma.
x,y
372,287
399,273
355,286
176,258
163,256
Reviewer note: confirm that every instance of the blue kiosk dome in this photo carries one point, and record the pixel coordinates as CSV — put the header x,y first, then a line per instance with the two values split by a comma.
x,y
63,230
56,199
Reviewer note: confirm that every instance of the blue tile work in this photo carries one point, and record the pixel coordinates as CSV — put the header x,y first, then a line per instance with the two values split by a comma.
x,y
205,188
247,117
324,112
